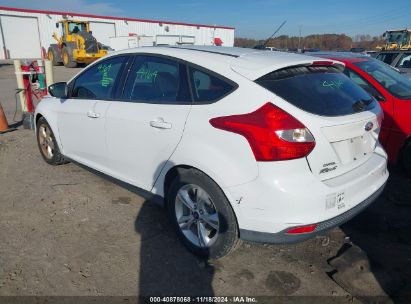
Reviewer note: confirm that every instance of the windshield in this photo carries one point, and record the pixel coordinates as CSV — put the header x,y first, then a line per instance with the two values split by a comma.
x,y
75,27
394,37
391,80
322,90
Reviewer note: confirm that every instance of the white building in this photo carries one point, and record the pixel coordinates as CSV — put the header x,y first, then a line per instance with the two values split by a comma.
x,y
26,33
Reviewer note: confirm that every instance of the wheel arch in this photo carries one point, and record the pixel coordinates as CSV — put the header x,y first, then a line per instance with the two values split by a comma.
x,y
170,171
173,172
38,116
50,116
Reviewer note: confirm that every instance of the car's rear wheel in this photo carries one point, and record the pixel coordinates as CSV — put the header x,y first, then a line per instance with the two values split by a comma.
x,y
47,144
202,215
406,159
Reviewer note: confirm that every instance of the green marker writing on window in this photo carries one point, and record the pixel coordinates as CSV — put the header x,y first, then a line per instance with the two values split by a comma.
x,y
146,74
333,84
104,70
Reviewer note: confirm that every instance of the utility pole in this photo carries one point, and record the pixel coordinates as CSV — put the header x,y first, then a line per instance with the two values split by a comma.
x,y
299,37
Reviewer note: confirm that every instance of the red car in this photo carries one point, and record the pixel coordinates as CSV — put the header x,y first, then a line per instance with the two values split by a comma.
x,y
393,91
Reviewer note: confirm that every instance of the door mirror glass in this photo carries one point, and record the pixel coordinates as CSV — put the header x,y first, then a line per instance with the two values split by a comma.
x,y
59,90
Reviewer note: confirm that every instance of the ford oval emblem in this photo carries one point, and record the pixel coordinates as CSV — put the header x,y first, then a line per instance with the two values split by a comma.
x,y
368,126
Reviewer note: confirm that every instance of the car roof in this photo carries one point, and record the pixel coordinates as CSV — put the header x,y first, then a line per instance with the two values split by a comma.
x,y
250,63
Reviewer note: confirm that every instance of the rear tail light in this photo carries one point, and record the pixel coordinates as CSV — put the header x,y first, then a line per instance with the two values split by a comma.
x,y
302,229
272,133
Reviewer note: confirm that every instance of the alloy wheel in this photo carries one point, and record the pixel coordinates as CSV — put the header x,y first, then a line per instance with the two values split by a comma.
x,y
46,141
196,215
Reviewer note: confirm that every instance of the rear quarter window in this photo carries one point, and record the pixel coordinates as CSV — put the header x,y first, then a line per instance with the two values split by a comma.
x,y
324,91
208,87
387,58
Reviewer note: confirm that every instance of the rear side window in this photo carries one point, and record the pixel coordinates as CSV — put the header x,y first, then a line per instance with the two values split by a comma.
x,y
319,90
354,76
157,80
388,58
405,61
395,83
97,82
207,87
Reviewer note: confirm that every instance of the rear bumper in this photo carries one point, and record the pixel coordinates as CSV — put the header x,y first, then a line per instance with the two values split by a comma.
x,y
283,238
285,196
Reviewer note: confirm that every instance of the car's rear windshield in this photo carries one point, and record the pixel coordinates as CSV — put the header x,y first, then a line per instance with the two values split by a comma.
x,y
321,90
395,83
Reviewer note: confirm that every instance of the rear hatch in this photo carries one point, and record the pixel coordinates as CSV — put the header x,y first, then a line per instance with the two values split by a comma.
x,y
342,117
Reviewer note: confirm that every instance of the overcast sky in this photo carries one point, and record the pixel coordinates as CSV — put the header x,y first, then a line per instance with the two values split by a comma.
x,y
251,18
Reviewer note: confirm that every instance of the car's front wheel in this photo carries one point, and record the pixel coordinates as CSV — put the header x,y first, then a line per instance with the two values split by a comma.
x,y
47,144
202,215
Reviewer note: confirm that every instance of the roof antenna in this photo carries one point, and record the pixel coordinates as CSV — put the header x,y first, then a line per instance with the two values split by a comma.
x,y
263,46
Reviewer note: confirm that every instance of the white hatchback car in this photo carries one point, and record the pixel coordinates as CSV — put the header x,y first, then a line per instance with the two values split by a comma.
x,y
241,144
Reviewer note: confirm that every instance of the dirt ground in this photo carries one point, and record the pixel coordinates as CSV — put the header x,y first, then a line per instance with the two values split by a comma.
x,y
67,231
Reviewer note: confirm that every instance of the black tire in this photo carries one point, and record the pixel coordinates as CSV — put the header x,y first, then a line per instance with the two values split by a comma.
x,y
227,238
68,60
406,159
56,158
53,56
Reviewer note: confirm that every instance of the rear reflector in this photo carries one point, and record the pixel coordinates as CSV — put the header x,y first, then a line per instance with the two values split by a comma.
x,y
272,133
302,229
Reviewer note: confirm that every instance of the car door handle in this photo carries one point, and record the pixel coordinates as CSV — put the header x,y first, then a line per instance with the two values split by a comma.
x,y
91,114
160,124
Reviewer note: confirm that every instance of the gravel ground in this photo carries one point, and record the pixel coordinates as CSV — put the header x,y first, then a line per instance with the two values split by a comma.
x,y
67,231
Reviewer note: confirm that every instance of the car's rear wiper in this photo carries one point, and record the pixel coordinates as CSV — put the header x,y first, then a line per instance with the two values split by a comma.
x,y
361,104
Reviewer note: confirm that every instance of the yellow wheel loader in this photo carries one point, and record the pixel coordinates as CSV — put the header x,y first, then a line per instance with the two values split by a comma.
x,y
396,40
76,45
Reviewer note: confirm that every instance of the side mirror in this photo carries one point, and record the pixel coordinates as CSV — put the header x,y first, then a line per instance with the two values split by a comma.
x,y
57,25
59,90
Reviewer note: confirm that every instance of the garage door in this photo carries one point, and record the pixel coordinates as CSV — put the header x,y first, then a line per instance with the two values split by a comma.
x,y
21,36
167,39
103,31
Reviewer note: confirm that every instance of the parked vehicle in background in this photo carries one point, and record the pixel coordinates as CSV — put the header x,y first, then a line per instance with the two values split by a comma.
x,y
76,45
264,146
396,40
358,50
371,53
400,60
271,48
393,91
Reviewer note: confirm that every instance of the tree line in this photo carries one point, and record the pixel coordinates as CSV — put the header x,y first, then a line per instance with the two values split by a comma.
x,y
317,41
